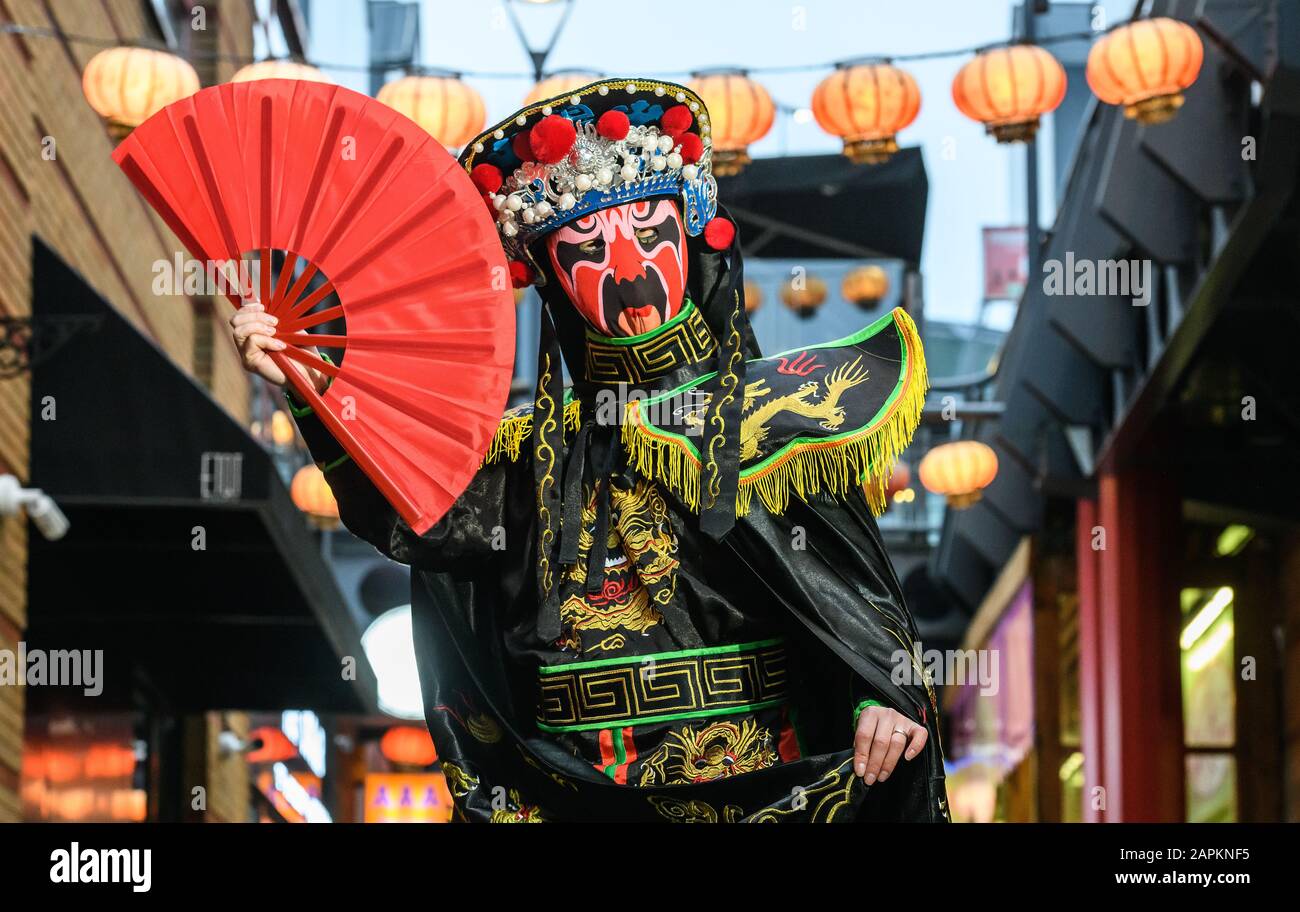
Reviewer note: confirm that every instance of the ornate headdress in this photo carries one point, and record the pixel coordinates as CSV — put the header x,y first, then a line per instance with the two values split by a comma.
x,y
611,142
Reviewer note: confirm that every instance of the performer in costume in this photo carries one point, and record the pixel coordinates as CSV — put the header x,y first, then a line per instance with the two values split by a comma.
x,y
663,595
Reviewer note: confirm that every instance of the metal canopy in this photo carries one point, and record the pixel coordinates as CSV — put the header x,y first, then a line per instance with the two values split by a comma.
x,y
1087,379
825,206
186,561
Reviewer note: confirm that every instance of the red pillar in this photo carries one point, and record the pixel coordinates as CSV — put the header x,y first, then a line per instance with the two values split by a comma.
x,y
1129,658
1091,735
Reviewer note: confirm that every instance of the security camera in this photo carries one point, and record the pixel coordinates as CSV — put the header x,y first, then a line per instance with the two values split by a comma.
x,y
41,508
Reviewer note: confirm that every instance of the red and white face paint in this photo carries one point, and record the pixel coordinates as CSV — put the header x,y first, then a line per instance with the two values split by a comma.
x,y
624,268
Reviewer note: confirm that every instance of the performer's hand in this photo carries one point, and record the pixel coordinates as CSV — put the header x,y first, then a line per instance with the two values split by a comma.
x,y
254,333
882,737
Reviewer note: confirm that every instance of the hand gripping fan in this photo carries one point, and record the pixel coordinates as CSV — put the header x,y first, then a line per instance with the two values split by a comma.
x,y
384,251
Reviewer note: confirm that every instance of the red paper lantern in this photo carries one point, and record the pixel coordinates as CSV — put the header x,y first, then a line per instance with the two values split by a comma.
x,y
1145,66
959,471
866,105
312,495
741,113
804,297
1008,88
445,107
279,69
899,480
865,286
127,85
408,745
558,84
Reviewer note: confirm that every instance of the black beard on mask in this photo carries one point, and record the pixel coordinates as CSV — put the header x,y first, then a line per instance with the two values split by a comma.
x,y
643,291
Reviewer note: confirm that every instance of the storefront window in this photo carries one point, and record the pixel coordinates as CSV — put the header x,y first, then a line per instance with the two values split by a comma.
x,y
992,724
1209,704
1068,708
83,768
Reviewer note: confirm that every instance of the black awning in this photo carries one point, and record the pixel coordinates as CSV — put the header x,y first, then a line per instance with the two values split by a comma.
x,y
147,468
825,206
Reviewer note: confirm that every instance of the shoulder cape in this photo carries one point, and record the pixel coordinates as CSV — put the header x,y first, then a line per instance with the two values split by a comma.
x,y
825,418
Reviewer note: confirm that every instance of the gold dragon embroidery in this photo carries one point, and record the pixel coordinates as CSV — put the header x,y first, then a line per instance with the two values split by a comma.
x,y
715,751
822,802
757,416
459,780
642,553
516,811
755,425
679,811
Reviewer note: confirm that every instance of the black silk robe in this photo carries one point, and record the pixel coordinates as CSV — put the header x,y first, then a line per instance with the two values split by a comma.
x,y
799,613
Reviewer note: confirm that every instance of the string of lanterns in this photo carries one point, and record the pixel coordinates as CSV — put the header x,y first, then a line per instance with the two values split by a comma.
x,y
864,286
1144,65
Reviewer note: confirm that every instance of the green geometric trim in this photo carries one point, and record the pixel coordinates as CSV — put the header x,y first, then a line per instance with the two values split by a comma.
x,y
678,654
670,717
682,314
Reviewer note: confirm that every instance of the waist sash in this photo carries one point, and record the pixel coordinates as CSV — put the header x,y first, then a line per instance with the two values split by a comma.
x,y
662,687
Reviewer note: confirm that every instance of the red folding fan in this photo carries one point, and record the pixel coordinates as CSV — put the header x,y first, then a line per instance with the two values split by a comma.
x,y
384,248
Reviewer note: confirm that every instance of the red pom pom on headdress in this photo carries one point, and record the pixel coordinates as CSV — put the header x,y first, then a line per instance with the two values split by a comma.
x,y
677,119
486,177
692,147
613,125
520,275
719,233
522,147
552,138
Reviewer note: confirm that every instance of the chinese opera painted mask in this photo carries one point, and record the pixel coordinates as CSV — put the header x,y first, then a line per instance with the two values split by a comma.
x,y
624,268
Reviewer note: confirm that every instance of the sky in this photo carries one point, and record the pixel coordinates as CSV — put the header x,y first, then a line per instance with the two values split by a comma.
x,y
974,182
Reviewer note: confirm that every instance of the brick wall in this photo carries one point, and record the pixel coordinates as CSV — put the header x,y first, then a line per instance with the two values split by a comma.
x,y
229,789
81,205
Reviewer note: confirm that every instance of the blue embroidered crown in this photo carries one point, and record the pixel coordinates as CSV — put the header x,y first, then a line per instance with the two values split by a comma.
x,y
608,143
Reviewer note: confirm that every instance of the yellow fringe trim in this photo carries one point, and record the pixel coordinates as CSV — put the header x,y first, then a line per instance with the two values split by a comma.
x,y
663,460
515,429
864,460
